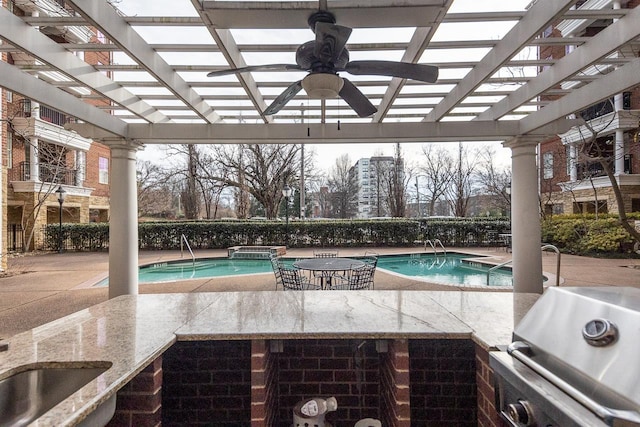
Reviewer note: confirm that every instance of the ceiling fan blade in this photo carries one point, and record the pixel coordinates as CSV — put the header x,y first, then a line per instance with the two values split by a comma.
x,y
404,70
330,41
356,99
267,67
283,98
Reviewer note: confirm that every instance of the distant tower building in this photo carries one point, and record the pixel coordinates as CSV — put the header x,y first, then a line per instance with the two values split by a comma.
x,y
371,175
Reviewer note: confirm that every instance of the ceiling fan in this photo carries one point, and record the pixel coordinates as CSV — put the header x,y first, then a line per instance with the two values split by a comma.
x,y
324,58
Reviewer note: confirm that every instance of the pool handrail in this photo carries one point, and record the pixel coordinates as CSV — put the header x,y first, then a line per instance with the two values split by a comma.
x,y
433,244
183,238
543,248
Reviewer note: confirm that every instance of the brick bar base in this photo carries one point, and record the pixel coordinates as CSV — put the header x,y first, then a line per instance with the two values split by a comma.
x,y
443,383
246,384
487,412
138,404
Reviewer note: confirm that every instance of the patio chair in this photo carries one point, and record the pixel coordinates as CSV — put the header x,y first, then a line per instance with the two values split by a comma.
x,y
321,275
293,280
325,254
357,279
275,265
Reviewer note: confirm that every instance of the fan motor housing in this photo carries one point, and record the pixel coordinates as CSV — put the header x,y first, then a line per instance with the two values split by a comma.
x,y
306,59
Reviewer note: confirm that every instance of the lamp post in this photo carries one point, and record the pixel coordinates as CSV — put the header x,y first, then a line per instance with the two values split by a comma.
x,y
61,195
286,192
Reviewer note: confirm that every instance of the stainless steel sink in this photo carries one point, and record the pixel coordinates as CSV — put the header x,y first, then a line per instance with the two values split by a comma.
x,y
27,395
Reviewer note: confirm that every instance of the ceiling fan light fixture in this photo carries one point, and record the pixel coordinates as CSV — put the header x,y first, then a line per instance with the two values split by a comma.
x,y
322,85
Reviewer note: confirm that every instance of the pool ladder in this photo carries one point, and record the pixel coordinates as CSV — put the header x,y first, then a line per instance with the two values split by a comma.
x,y
183,243
543,248
434,244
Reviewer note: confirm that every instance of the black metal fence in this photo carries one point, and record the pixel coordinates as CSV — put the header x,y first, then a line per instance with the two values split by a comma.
x,y
15,237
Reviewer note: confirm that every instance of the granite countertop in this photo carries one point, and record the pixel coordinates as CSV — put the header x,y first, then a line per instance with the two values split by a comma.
x,y
131,331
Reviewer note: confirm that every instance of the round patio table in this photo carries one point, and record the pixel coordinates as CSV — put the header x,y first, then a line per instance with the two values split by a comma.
x,y
328,267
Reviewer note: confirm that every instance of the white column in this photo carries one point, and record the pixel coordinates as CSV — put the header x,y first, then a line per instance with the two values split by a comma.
x,y
619,144
3,194
573,162
525,216
34,163
123,220
618,152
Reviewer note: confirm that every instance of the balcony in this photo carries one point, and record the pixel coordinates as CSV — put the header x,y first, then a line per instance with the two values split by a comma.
x,y
51,174
603,125
49,126
55,8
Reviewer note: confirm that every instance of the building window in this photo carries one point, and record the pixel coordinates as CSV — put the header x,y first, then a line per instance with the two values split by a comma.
x,y
547,165
9,95
103,170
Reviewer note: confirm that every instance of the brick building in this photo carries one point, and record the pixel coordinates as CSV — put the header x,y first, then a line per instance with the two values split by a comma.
x,y
572,179
39,154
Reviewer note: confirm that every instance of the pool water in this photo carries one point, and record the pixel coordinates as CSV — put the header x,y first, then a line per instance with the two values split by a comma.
x,y
450,270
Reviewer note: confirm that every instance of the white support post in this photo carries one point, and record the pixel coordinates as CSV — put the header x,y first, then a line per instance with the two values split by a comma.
x,y
123,220
525,217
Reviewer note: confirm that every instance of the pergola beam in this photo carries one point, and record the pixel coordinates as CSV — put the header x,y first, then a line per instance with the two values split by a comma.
x,y
541,14
617,81
351,133
38,90
611,38
16,32
101,15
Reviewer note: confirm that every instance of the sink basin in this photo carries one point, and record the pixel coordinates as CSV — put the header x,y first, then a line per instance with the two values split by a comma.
x,y
27,395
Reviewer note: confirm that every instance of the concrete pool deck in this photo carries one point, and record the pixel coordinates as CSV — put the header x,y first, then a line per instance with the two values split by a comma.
x,y
39,288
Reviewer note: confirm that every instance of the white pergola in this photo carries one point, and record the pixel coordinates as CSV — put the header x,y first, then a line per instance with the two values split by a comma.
x,y
491,88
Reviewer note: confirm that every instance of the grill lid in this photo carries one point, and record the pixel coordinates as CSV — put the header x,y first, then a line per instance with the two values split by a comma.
x,y
588,339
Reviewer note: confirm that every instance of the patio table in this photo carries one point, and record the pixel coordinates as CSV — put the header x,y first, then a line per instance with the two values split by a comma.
x,y
327,267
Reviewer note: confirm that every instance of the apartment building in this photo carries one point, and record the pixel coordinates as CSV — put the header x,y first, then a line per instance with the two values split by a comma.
x,y
572,180
39,155
372,175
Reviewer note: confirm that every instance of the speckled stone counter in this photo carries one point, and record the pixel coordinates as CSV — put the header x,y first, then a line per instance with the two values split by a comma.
x,y
131,331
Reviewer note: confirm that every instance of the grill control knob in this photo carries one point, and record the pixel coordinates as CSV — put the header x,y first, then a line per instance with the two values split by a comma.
x,y
600,332
521,413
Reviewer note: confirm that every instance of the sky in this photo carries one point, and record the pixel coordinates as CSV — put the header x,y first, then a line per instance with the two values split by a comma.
x,y
325,154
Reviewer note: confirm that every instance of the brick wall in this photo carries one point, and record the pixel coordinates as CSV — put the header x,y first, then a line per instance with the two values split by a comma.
x,y
395,396
138,404
264,384
346,369
207,383
443,383
487,412
243,383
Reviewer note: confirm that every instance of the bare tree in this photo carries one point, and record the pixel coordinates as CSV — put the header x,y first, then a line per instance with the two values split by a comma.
x,y
261,170
396,182
154,193
462,179
437,166
493,180
343,189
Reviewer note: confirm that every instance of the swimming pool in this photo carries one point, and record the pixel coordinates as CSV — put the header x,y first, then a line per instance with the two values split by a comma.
x,y
452,269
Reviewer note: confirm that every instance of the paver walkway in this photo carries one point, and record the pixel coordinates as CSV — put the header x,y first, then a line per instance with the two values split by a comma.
x,y
43,287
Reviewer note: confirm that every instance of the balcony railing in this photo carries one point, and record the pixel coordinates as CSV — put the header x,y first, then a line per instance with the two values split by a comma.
x,y
45,113
48,173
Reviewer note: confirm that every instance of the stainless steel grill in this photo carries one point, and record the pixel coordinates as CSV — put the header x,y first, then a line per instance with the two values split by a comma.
x,y
573,361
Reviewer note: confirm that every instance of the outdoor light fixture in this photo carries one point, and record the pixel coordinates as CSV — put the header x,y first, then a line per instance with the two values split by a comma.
x,y
61,195
322,85
286,192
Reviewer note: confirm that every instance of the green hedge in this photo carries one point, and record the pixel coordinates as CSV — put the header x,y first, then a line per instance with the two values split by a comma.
x,y
340,233
587,235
